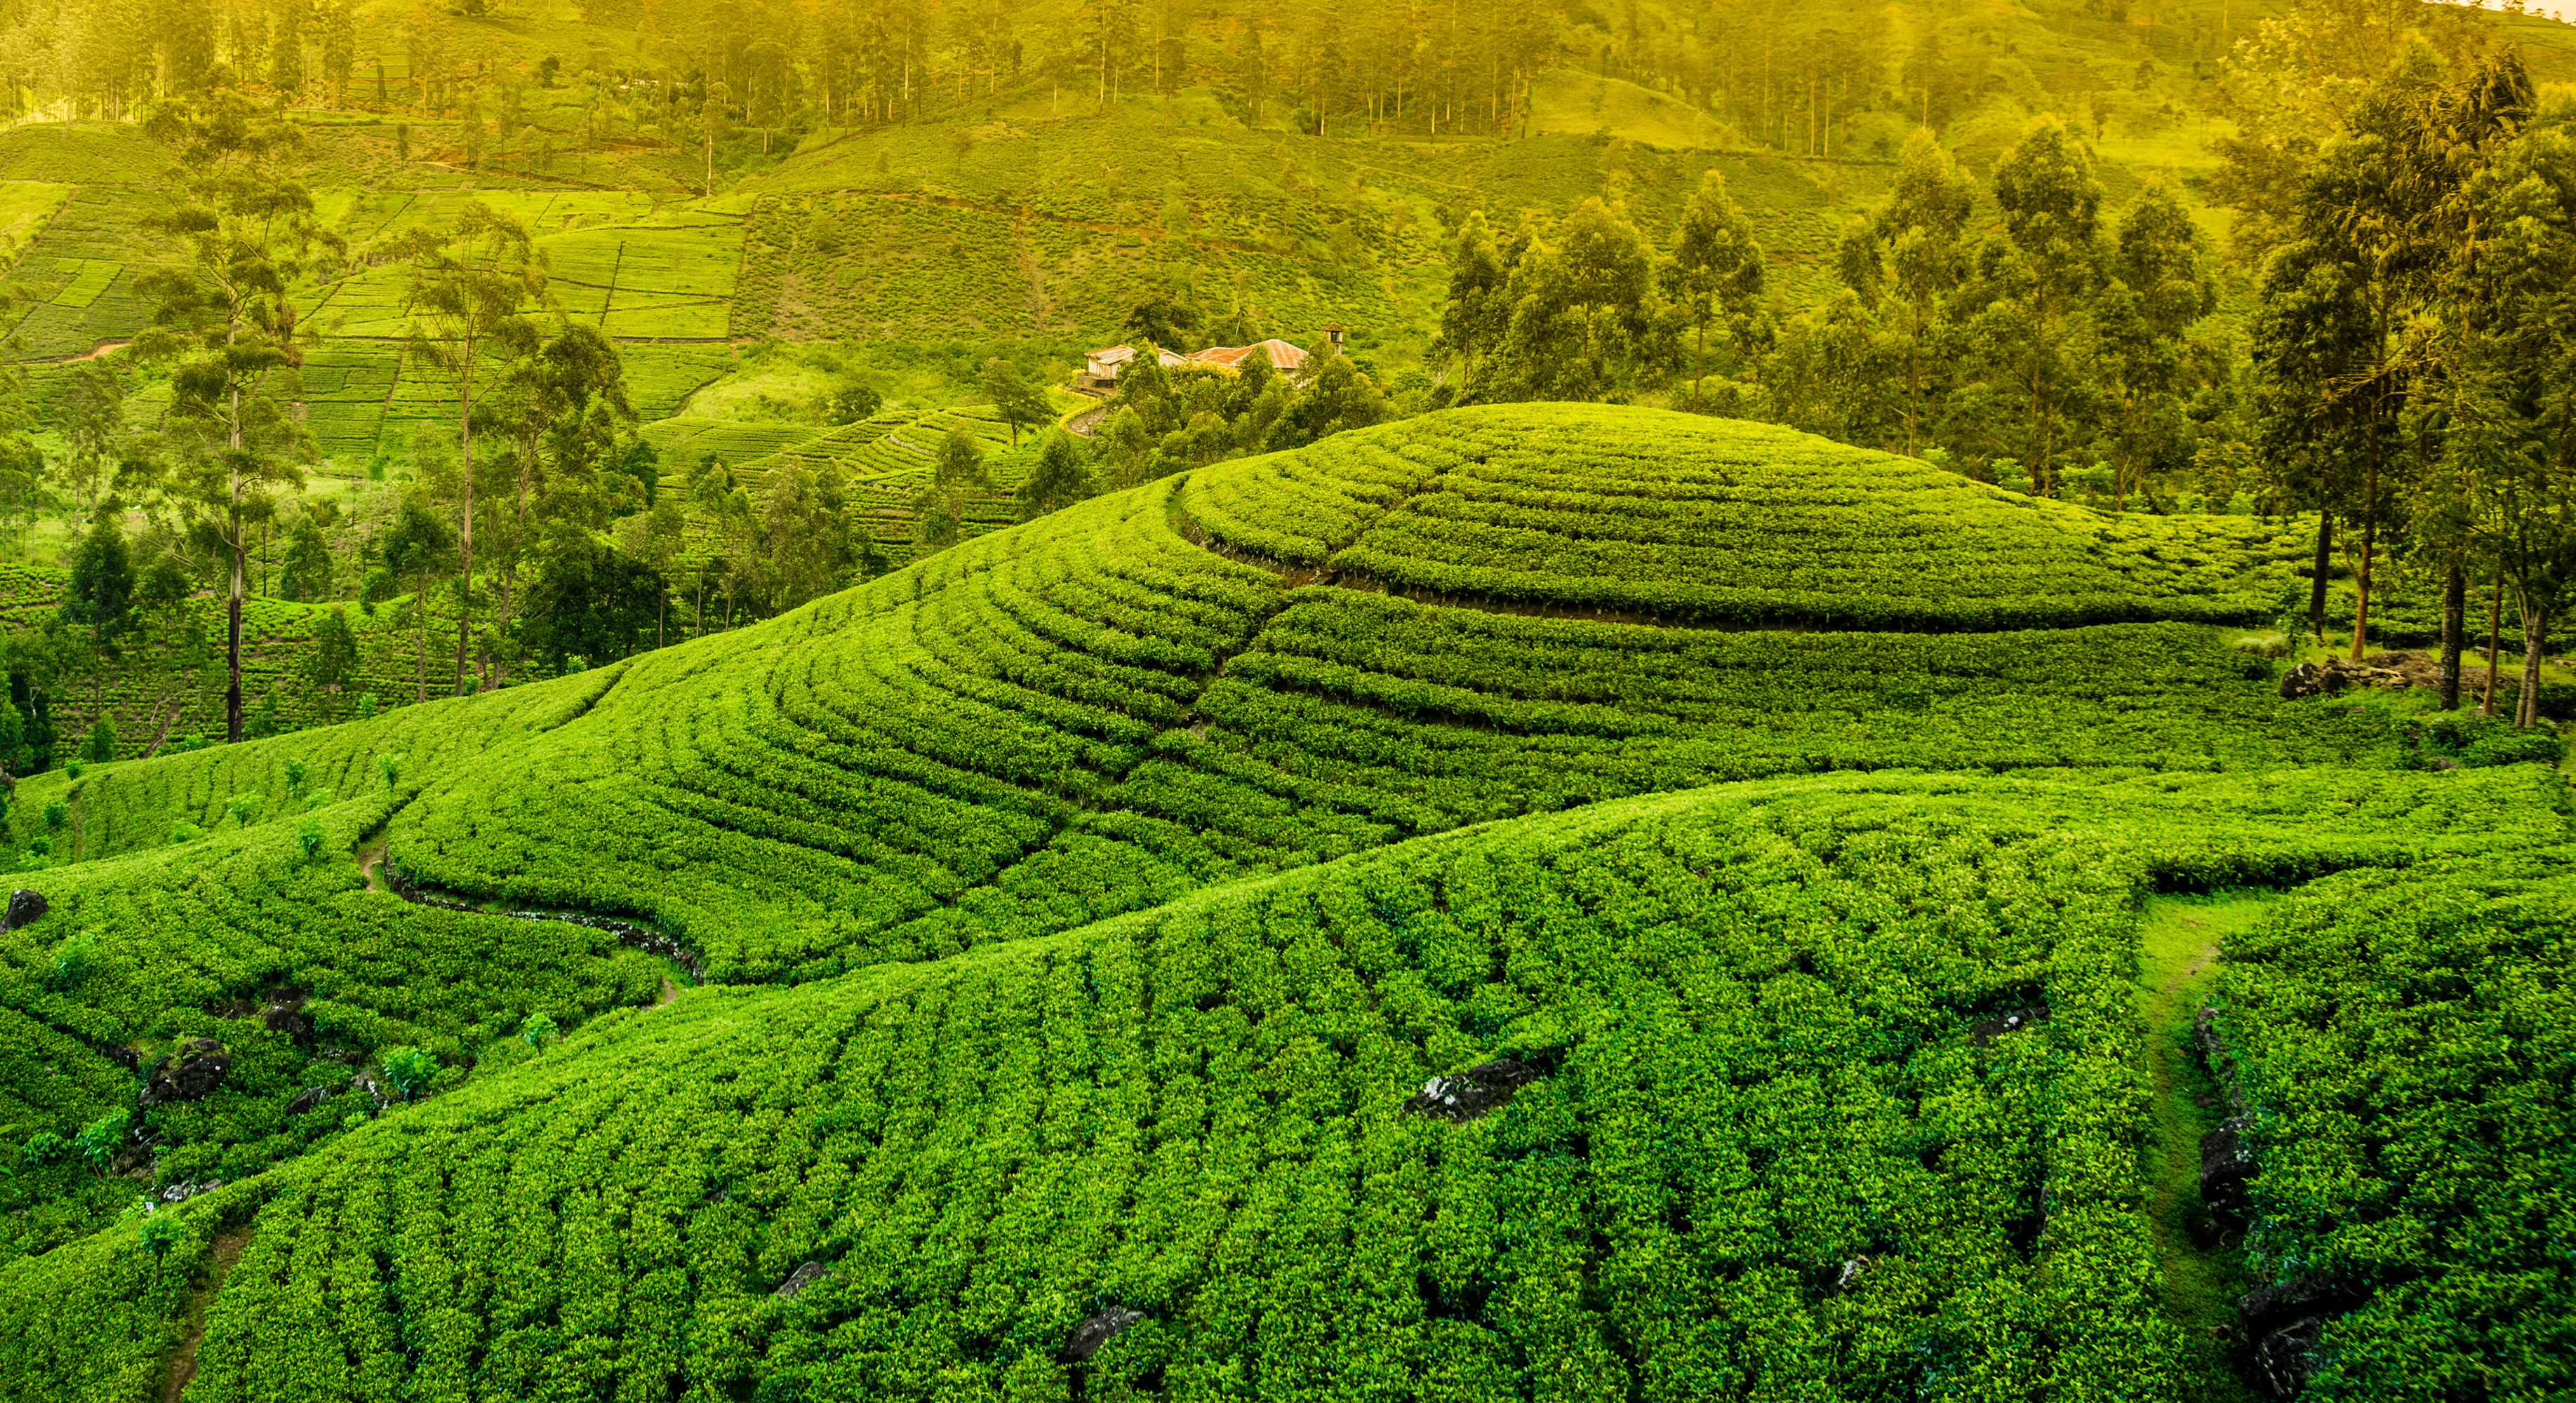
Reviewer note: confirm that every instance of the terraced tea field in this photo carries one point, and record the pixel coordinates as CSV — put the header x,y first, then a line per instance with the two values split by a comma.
x,y
1052,940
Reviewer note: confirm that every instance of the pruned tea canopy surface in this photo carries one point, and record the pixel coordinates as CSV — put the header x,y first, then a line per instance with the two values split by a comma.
x,y
1019,976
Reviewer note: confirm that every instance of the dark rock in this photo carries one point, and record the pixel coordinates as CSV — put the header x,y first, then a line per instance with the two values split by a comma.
x,y
1988,1029
282,1018
190,1074
24,907
2260,1312
1474,1092
133,1157
2310,680
2226,1162
307,1099
1096,1330
2441,762
801,1278
2286,1359
2211,1042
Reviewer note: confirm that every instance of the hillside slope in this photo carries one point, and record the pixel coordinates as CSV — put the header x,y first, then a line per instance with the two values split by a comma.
x,y
1114,879
1064,720
1773,1132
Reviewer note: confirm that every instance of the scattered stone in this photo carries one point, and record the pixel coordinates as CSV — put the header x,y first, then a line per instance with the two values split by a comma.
x,y
1096,1330
2226,1162
284,1017
187,1189
190,1074
1474,1092
2311,680
2262,1311
801,1278
2441,762
2287,1358
2286,1322
307,1099
1988,1029
24,908
2212,1044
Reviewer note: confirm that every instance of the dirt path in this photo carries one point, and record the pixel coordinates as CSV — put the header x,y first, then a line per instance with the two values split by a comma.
x,y
228,1249
2178,959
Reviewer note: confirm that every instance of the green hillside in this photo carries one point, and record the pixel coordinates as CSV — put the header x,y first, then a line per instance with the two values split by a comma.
x,y
1059,930
1727,701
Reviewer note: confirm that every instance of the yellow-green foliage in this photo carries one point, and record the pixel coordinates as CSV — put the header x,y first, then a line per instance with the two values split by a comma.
x,y
1049,993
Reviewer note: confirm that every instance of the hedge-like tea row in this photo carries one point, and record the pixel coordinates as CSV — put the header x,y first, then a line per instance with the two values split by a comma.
x,y
1780,1136
1770,1144
1089,713
1355,719
2403,1041
786,794
1685,520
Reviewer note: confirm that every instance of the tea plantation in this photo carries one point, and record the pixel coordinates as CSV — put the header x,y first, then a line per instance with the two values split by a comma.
x,y
1523,902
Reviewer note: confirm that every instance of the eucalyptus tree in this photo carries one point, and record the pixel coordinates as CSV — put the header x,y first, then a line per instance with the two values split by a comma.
x,y
472,288
1478,312
561,410
1715,271
2037,330
1916,251
224,319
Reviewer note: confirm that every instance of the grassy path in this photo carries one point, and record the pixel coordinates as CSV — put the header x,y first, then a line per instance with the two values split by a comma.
x,y
2177,970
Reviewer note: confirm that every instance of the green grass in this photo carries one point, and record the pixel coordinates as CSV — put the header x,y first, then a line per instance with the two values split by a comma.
x,y
25,207
1566,101
2179,943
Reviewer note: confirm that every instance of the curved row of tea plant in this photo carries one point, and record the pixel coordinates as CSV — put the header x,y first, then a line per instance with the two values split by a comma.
x,y
2402,1042
1090,713
1777,1136
1663,515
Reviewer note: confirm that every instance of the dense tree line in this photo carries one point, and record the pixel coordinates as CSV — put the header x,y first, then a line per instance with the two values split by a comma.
x,y
2061,343
2407,371
530,535
1804,79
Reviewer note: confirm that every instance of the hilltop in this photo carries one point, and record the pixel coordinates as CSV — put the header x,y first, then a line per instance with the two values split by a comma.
x,y
1053,931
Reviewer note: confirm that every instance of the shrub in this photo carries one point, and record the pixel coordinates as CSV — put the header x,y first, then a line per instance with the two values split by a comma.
x,y
42,1148
73,962
101,742
99,1141
538,1031
409,1070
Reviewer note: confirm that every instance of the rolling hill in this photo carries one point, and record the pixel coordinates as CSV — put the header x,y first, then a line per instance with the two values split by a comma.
x,y
1050,942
